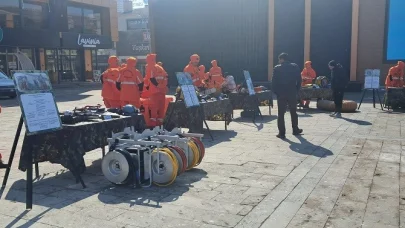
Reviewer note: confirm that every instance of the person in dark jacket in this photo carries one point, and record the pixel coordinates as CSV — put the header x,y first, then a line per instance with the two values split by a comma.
x,y
286,84
339,82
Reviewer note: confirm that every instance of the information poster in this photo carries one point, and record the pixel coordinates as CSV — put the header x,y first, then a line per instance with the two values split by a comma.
x,y
188,89
34,91
372,79
249,83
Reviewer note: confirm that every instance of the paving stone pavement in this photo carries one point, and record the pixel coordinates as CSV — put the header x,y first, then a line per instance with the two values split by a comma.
x,y
347,172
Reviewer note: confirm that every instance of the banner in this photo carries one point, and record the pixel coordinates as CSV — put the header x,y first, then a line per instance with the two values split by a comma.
x,y
372,79
37,103
188,89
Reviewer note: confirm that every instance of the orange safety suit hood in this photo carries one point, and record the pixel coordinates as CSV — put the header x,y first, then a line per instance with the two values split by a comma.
x,y
194,59
201,68
131,62
151,59
214,63
113,62
401,65
308,64
160,64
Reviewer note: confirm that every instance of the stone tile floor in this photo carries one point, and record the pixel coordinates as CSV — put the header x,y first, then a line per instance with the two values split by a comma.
x,y
347,172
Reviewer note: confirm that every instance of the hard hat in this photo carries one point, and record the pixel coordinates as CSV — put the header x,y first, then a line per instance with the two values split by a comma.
x,y
129,110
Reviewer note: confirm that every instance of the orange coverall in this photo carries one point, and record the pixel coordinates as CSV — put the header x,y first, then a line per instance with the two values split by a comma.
x,y
395,77
110,93
216,78
192,69
156,82
131,84
308,74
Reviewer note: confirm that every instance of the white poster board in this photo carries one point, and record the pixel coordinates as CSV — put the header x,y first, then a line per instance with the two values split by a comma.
x,y
249,83
372,78
37,103
188,89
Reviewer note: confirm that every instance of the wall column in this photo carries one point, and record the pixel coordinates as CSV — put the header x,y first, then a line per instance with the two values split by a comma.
x,y
307,32
355,39
271,40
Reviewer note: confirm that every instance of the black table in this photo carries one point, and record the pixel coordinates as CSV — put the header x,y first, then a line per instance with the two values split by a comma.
x,y
68,145
246,102
193,118
394,98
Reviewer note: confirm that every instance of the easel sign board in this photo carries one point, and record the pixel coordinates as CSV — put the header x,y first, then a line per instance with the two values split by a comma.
x,y
249,83
188,89
372,79
37,103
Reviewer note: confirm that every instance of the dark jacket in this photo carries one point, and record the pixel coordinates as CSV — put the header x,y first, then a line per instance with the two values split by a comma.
x,y
339,79
286,79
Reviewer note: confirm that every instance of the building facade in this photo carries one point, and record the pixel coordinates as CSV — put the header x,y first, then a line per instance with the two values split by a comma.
x,y
71,39
250,34
134,32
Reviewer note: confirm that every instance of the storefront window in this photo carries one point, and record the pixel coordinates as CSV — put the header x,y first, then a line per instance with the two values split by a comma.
x,y
29,53
71,65
51,63
35,15
75,20
92,21
10,14
84,20
100,59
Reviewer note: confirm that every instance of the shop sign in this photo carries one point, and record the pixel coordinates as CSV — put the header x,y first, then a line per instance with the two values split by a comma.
x,y
134,43
79,40
134,24
87,41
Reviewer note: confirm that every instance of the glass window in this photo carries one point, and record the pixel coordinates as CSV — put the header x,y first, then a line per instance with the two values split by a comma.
x,y
92,21
10,13
35,15
75,20
84,20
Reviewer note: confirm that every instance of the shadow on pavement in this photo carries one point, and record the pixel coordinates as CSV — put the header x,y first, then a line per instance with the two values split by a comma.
x,y
219,136
60,190
358,122
306,147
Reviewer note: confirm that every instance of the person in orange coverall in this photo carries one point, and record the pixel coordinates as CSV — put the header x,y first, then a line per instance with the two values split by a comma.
x,y
156,83
131,84
203,75
110,92
395,77
192,69
215,79
308,75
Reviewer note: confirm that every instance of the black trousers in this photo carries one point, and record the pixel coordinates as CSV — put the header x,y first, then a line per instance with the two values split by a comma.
x,y
282,102
338,99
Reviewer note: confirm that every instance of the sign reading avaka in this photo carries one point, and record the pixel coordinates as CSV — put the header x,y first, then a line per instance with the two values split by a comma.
x,y
87,41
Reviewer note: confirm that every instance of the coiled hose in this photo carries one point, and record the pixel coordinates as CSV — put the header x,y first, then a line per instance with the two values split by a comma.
x,y
175,165
196,154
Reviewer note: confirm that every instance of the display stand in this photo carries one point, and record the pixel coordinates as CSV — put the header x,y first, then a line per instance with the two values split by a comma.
x,y
40,114
190,97
372,82
252,94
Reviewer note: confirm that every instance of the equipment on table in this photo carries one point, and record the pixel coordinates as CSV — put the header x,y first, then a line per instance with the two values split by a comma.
x,y
154,156
86,113
322,81
129,110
